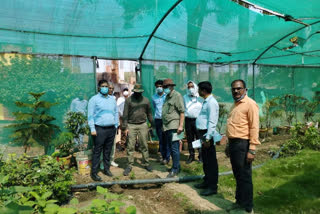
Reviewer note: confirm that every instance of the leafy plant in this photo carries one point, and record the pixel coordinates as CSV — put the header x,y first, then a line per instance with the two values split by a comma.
x,y
301,137
64,142
310,110
271,110
43,174
34,126
223,113
290,104
76,123
41,201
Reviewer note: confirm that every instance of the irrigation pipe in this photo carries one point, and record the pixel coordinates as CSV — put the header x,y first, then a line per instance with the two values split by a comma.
x,y
185,179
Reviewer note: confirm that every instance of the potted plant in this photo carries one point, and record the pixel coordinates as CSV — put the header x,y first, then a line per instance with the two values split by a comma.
x,y
76,123
65,145
34,125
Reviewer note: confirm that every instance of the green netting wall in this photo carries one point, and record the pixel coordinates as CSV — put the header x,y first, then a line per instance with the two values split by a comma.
x,y
264,83
62,78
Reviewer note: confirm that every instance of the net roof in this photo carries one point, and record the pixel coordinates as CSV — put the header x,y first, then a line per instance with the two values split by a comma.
x,y
204,31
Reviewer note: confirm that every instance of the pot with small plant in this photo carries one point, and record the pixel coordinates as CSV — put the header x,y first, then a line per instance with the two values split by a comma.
x,y
65,145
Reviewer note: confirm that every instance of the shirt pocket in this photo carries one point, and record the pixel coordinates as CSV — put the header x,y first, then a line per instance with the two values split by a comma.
x,y
237,117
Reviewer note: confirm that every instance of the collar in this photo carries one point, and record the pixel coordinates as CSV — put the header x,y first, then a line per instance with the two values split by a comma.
x,y
171,94
244,100
101,95
208,98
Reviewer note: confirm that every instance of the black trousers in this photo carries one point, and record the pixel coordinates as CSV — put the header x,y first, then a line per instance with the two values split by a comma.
x,y
103,142
242,172
192,134
210,164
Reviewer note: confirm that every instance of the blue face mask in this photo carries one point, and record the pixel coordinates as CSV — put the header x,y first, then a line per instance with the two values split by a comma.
x,y
104,90
167,90
159,90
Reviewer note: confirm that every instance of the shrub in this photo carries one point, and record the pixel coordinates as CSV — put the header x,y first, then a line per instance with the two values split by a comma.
x,y
301,137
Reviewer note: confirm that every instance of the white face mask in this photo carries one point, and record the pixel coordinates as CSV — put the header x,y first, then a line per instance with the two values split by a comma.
x,y
125,93
192,91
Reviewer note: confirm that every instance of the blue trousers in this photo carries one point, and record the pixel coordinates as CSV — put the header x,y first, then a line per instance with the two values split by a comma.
x,y
174,149
163,146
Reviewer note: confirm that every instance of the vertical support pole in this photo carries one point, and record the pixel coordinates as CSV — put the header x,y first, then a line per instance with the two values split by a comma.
x,y
253,81
94,58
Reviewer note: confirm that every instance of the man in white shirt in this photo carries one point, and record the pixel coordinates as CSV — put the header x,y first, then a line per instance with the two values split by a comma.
x,y
192,104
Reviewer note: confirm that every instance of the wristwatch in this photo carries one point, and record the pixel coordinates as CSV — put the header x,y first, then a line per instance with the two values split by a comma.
x,y
253,152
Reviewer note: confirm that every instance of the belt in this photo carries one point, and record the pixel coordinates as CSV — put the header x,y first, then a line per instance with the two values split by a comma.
x,y
189,118
106,127
237,140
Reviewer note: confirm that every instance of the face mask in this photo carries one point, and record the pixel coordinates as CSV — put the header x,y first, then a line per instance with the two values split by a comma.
x,y
125,93
240,98
192,91
104,90
159,90
167,90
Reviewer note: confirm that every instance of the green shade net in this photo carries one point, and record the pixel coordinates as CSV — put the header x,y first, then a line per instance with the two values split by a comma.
x,y
212,31
63,79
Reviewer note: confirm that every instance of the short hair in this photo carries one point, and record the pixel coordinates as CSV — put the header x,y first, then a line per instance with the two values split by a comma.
x,y
101,82
158,82
205,86
239,80
125,89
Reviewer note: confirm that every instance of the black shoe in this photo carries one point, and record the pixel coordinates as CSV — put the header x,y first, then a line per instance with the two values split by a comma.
x,y
95,177
108,173
148,168
127,171
208,192
172,174
201,186
190,159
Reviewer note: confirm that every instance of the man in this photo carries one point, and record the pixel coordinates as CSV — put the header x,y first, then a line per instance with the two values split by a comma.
x,y
242,132
120,104
206,124
103,121
192,105
111,94
157,100
173,119
137,109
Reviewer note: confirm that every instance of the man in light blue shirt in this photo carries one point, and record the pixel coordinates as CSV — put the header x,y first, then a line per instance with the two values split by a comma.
x,y
103,119
206,124
157,101
192,105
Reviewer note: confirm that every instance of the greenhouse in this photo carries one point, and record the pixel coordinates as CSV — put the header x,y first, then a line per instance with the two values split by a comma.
x,y
54,47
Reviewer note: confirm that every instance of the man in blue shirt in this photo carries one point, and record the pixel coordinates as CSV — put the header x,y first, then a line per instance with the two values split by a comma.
x,y
103,120
206,124
157,100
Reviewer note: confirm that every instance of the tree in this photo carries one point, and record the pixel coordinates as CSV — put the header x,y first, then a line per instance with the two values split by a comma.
x,y
34,126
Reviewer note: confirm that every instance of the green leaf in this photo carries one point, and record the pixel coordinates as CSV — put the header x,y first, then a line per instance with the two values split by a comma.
x,y
65,210
21,189
74,201
116,204
102,190
46,195
51,209
131,210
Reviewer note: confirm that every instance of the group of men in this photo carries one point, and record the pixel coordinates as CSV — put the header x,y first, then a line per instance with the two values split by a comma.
x,y
197,113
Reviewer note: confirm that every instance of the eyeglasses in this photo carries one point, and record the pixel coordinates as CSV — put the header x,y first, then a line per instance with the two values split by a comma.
x,y
236,89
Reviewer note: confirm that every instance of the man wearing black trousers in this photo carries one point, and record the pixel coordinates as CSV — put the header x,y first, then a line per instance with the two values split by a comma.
x,y
242,132
103,121
206,124
192,105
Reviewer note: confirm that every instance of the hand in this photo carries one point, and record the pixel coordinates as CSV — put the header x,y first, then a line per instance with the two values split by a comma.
x,y
126,132
250,157
179,130
206,143
227,150
94,133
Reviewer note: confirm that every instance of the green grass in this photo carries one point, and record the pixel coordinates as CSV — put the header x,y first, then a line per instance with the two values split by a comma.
x,y
286,185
